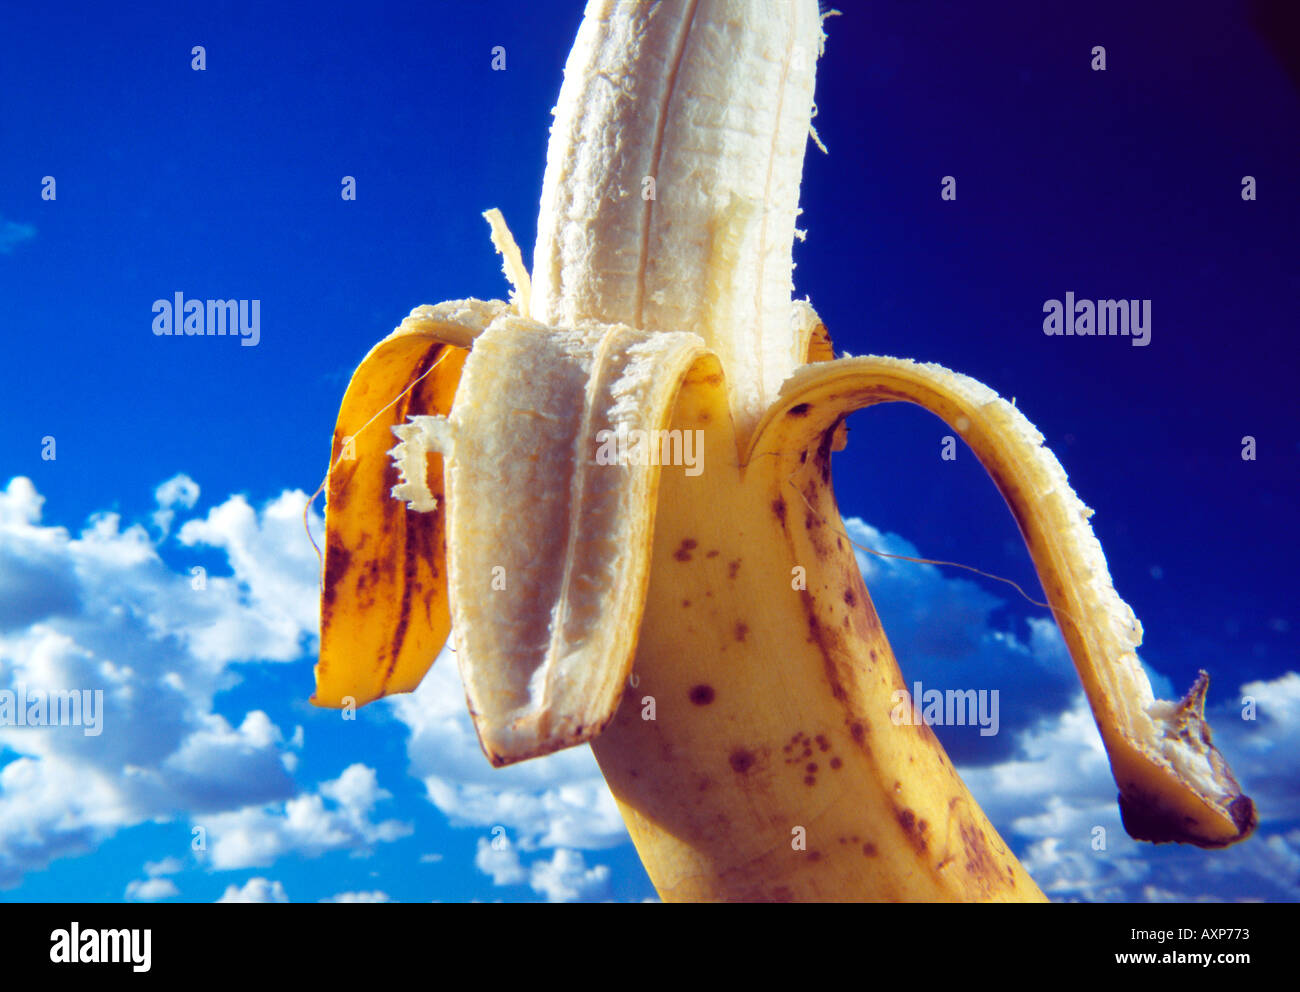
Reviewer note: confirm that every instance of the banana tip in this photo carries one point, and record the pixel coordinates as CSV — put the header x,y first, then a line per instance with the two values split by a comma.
x,y
1149,820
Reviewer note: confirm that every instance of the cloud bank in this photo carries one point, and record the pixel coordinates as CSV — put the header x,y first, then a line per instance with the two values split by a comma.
x,y
102,610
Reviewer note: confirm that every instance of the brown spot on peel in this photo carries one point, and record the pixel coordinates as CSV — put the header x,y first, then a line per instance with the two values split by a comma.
x,y
702,695
979,860
337,559
742,760
914,829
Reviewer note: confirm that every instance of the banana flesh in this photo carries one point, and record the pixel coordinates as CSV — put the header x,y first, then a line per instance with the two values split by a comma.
x,y
546,608
712,100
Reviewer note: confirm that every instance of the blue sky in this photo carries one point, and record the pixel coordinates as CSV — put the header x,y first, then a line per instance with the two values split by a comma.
x,y
225,183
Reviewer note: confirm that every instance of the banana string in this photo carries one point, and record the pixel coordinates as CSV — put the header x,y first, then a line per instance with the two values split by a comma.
x,y
1056,610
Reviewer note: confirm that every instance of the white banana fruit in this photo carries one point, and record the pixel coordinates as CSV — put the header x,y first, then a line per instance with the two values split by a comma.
x,y
623,475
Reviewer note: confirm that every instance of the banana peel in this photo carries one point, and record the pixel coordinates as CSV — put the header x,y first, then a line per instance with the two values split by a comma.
x,y
384,607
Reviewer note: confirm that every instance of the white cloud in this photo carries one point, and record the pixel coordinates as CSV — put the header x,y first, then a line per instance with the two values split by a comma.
x,y
109,615
50,810
1263,749
565,877
255,890
501,861
167,866
560,800
102,612
37,577
276,571
334,819
180,490
1056,799
375,896
151,890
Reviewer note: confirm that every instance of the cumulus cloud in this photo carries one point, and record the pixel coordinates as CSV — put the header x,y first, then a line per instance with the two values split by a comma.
x,y
101,610
276,579
151,890
157,886
501,862
564,877
1055,803
1030,669
1260,728
167,866
100,613
255,890
374,896
337,817
180,490
561,801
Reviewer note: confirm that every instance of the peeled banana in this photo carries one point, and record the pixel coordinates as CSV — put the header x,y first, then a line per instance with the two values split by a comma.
x,y
616,489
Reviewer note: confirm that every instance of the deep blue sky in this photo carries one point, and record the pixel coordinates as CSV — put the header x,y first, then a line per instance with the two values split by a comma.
x,y
1122,183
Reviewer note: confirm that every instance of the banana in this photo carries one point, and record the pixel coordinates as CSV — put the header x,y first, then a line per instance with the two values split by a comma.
x,y
622,478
